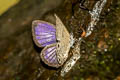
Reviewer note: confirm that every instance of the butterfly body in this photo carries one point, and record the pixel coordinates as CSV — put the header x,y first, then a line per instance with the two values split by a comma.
x,y
54,38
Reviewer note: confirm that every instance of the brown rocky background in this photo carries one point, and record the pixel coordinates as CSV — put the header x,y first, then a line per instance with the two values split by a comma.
x,y
100,52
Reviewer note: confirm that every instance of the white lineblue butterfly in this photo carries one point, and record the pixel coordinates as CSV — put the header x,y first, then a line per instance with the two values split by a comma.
x,y
54,38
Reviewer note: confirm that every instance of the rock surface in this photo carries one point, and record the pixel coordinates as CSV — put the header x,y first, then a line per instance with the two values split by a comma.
x,y
19,56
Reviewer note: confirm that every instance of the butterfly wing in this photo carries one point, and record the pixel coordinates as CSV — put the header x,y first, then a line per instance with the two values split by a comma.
x,y
49,55
44,33
63,37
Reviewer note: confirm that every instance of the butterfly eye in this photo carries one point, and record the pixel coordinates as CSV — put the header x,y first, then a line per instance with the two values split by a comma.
x,y
57,41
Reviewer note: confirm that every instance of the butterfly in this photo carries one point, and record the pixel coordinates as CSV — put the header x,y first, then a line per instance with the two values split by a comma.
x,y
55,40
